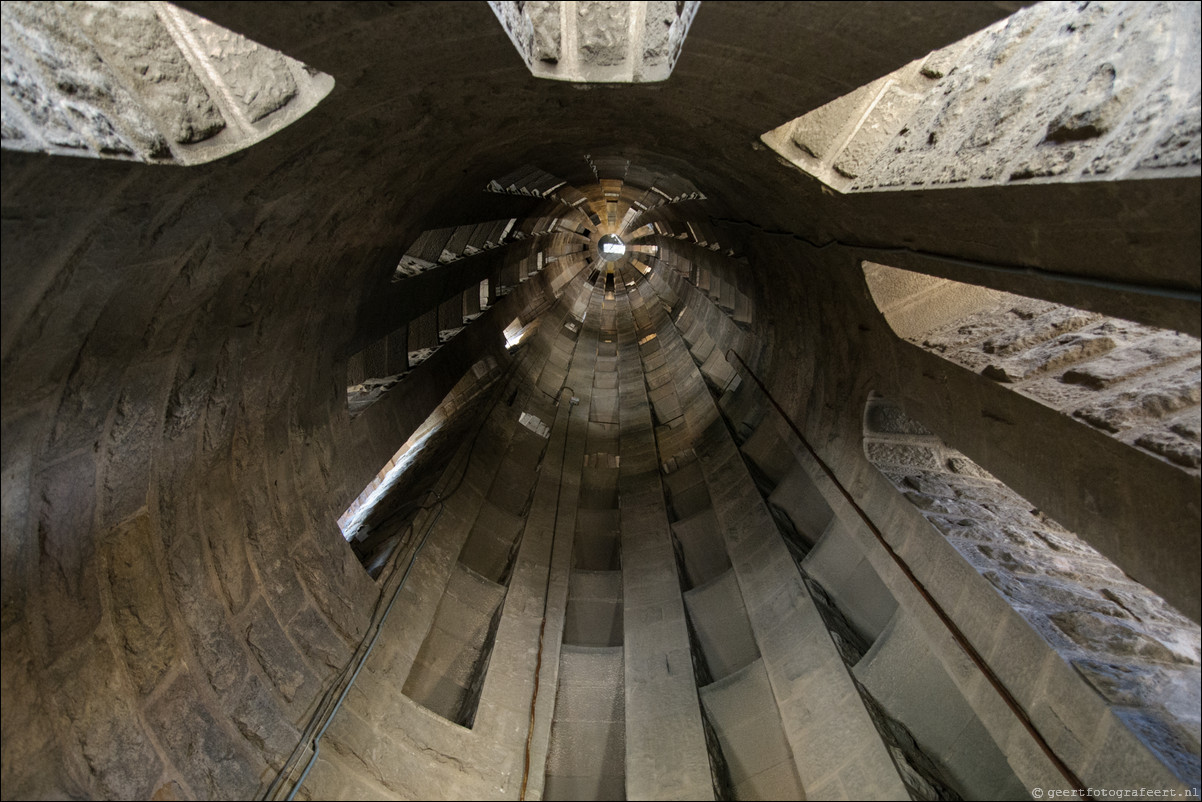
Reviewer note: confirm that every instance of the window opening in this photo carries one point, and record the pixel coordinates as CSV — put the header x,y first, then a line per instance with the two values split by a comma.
x,y
1057,92
515,333
1139,384
374,371
1134,649
597,42
375,520
163,85
442,246
611,248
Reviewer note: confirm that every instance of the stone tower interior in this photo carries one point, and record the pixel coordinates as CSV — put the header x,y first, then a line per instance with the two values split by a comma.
x,y
600,400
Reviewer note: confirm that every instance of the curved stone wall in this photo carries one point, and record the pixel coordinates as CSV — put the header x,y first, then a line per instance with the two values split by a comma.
x,y
177,596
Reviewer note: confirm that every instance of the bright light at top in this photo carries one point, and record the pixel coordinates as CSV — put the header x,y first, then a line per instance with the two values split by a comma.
x,y
610,248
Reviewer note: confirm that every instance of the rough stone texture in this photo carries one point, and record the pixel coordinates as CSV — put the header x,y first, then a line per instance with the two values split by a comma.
x,y
257,76
67,566
113,739
1181,143
132,36
1131,646
31,725
135,81
544,14
209,758
170,333
275,653
601,31
71,96
595,42
816,132
1133,407
139,609
1137,383
891,108
1057,92
657,44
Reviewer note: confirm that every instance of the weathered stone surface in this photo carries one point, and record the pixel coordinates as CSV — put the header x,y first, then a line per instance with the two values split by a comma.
x,y
33,764
318,640
1181,144
76,89
275,653
816,132
1045,163
962,334
901,454
133,81
1130,363
1176,747
210,759
67,567
1145,112
140,612
544,15
134,424
221,655
962,465
92,695
1092,112
887,419
1139,406
889,114
20,551
10,129
258,77
657,46
1034,330
26,89
1179,443
1132,647
262,722
1130,380
1097,633
132,36
929,485
1050,356
1123,684
1055,92
601,31
225,535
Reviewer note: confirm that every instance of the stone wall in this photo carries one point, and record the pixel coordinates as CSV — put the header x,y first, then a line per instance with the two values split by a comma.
x,y
1057,92
1136,651
143,81
597,41
1029,665
177,446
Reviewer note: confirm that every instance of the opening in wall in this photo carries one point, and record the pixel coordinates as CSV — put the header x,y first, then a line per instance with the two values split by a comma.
x,y
376,520
1129,645
597,42
516,333
1139,384
1057,92
375,370
162,85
